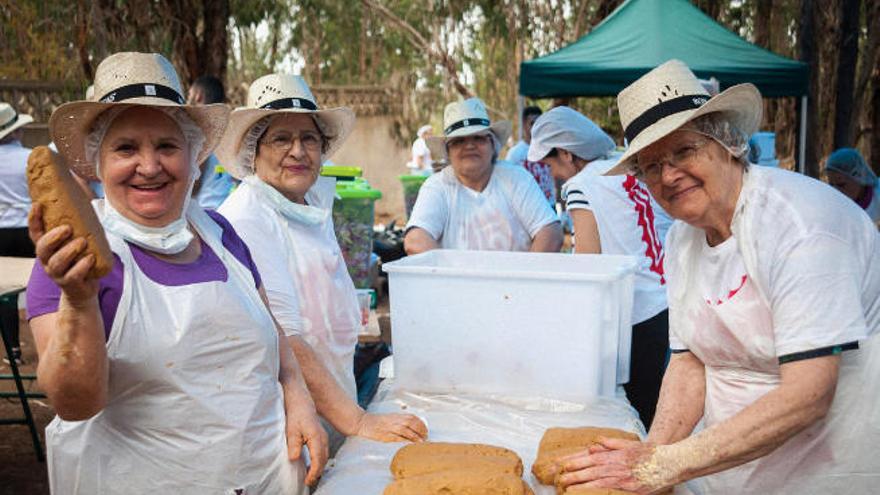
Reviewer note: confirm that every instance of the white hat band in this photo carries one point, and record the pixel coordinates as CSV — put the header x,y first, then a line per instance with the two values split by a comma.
x,y
662,110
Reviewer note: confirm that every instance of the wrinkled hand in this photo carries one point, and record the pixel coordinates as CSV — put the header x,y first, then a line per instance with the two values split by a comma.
x,y
304,429
58,254
392,428
612,463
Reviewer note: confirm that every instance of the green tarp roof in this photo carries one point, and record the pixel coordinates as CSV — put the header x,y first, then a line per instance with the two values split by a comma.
x,y
642,34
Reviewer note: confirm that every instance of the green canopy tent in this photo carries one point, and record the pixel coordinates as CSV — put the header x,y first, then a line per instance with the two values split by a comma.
x,y
642,34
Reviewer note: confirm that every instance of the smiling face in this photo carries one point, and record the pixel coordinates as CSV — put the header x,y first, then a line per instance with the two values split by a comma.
x,y
471,156
145,166
702,184
562,165
289,155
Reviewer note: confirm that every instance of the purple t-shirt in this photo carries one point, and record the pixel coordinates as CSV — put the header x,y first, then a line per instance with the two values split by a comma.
x,y
43,295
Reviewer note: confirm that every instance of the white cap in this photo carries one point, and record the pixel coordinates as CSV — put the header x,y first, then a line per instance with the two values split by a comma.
x,y
567,129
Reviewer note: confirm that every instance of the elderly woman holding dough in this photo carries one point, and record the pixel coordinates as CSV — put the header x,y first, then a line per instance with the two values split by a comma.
x,y
774,309
282,209
169,373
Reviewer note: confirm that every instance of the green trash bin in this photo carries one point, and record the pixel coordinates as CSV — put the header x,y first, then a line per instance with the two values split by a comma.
x,y
342,173
411,186
353,219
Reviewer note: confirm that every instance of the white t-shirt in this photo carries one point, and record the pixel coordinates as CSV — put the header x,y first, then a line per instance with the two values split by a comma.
x,y
873,209
505,216
624,213
420,149
15,202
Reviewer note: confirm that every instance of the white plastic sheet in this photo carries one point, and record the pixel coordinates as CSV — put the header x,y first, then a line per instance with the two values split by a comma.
x,y
361,465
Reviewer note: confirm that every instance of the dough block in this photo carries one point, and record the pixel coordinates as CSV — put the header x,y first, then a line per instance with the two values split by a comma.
x,y
64,203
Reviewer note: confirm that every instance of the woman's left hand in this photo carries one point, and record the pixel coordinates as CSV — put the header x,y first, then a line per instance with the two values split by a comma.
x,y
392,428
613,463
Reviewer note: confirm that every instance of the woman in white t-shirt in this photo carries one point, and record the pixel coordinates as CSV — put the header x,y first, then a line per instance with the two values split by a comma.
x,y
774,307
848,173
476,203
611,215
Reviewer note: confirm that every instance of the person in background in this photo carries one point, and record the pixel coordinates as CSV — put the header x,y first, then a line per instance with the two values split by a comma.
x,y
282,210
848,173
774,311
15,202
477,203
518,155
215,183
612,215
421,154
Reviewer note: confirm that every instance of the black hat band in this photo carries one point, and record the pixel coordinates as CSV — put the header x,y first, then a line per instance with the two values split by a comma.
x,y
9,123
662,110
141,90
465,123
290,103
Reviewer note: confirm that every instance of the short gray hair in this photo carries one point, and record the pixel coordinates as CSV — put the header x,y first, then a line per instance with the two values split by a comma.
x,y
721,128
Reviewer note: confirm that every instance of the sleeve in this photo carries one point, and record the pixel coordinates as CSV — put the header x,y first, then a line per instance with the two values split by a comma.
x,y
815,297
577,195
43,295
267,250
529,202
431,209
234,243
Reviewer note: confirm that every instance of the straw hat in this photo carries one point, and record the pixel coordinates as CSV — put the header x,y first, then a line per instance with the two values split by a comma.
x,y
129,79
464,118
11,120
276,94
668,97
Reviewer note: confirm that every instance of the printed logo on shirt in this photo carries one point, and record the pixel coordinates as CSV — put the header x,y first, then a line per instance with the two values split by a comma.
x,y
641,199
730,293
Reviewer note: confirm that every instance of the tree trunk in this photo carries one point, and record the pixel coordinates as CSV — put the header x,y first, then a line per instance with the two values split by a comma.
x,y
808,55
215,39
875,118
845,115
82,39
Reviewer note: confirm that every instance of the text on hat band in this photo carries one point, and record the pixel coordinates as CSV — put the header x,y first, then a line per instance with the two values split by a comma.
x,y
9,123
139,90
466,123
290,103
662,110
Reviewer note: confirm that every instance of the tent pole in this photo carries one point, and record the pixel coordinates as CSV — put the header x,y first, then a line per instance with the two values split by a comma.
x,y
520,105
802,138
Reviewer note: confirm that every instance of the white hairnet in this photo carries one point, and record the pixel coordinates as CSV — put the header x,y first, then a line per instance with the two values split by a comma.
x,y
192,134
849,162
423,129
720,127
567,129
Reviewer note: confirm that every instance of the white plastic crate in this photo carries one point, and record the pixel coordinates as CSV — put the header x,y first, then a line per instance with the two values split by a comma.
x,y
515,324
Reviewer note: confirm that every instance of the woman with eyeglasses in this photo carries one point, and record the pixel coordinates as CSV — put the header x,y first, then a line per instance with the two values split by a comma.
x,y
774,305
476,202
282,209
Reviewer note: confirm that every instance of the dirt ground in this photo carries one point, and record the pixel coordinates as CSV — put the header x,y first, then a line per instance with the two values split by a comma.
x,y
20,472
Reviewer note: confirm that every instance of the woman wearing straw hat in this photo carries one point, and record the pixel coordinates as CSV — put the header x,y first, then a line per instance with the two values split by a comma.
x,y
14,199
774,303
282,209
848,173
476,203
611,215
168,374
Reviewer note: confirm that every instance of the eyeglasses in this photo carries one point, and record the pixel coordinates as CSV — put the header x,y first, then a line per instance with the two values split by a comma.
x,y
282,142
650,170
460,142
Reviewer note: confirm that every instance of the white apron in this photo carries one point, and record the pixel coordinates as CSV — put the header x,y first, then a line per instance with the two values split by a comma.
x,y
194,406
735,342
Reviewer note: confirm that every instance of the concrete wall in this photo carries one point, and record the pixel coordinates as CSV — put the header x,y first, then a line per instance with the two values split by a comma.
x,y
372,148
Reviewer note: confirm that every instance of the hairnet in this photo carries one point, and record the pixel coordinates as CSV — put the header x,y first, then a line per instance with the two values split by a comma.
x,y
849,162
192,134
423,129
567,129
718,127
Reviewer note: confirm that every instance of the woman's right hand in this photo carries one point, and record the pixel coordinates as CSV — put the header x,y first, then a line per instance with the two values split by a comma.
x,y
59,254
